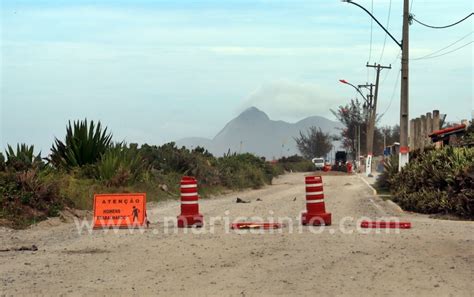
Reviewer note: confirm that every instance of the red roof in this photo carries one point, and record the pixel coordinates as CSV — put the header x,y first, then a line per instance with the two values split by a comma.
x,y
449,130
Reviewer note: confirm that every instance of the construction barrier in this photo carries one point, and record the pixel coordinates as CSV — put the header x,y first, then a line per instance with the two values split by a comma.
x,y
190,215
315,214
385,224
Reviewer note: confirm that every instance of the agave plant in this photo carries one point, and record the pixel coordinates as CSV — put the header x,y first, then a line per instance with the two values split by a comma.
x,y
2,162
438,181
120,165
84,144
23,158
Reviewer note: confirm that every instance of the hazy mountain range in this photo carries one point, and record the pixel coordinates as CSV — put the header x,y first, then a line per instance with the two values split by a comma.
x,y
253,131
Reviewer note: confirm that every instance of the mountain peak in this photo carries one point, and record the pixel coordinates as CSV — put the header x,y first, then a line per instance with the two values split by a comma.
x,y
253,113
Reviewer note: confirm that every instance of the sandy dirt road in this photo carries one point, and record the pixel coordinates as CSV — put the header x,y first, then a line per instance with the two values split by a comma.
x,y
434,258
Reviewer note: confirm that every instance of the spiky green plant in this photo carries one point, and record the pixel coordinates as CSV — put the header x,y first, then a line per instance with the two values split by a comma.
x,y
437,181
390,169
2,162
23,158
84,144
120,165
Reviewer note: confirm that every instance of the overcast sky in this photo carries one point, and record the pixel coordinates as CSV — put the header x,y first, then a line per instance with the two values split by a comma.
x,y
157,71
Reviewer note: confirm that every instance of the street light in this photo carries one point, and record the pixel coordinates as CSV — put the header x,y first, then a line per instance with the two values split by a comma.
x,y
404,150
357,89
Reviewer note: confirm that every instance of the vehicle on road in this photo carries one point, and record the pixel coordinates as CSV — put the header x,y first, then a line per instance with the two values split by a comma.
x,y
340,161
318,163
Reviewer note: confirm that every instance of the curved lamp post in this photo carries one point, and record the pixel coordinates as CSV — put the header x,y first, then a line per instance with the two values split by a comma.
x,y
357,89
404,150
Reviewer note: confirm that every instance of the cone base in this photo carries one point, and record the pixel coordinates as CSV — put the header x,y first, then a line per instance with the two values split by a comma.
x,y
316,219
185,221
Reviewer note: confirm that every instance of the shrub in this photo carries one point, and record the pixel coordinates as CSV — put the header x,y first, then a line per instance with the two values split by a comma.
x,y
120,166
23,158
291,159
169,159
437,181
302,166
2,162
390,169
29,196
238,171
295,163
84,144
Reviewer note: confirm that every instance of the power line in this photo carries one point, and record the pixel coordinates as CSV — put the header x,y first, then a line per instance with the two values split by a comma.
x,y
396,58
393,94
393,62
412,17
435,52
388,23
452,51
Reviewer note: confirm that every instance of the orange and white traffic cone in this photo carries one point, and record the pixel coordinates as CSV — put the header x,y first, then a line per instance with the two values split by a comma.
x,y
315,214
190,215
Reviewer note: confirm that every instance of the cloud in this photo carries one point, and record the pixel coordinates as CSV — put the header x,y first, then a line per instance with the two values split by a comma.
x,y
292,101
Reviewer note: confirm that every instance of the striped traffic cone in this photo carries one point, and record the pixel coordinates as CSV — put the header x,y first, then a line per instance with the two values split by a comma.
x,y
190,215
315,209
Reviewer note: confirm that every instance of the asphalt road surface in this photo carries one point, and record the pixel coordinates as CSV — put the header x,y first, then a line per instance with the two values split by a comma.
x,y
434,258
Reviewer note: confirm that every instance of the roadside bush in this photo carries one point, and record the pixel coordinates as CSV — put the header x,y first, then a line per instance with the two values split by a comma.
x,y
23,158
468,138
2,162
390,170
84,144
295,163
238,171
168,159
291,159
437,181
121,166
303,166
29,196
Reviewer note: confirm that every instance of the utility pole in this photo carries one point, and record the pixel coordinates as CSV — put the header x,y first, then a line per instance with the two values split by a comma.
x,y
404,150
373,117
367,106
358,146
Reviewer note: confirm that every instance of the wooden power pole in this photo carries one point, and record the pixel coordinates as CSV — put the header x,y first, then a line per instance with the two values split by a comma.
x,y
404,150
373,117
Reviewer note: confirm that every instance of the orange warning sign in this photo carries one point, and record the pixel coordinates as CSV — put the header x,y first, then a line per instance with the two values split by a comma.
x,y
119,210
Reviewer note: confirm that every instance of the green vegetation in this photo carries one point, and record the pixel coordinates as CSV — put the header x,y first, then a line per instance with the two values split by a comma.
x,y
240,171
315,143
23,158
383,182
435,181
84,144
354,116
28,192
294,163
88,162
120,166
2,162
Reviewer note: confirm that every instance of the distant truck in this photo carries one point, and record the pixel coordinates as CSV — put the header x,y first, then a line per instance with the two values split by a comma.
x,y
340,161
